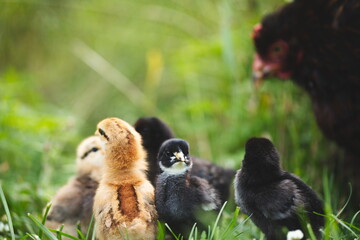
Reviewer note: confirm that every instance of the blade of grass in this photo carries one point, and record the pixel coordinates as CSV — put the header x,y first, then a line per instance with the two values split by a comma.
x,y
354,217
161,231
171,231
217,221
346,203
196,233
32,237
63,234
311,232
24,237
28,224
121,233
44,219
6,208
42,227
208,231
80,234
231,224
330,225
351,226
192,231
94,230
58,234
90,227
344,225
237,228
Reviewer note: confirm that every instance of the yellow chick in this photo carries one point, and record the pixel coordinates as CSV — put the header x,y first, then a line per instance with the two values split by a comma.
x,y
73,203
124,206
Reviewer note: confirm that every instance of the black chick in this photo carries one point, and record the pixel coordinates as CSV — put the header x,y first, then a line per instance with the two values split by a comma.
x,y
316,44
272,197
154,132
180,197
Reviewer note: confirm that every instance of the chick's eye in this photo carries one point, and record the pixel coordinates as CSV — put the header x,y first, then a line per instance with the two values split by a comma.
x,y
102,132
94,149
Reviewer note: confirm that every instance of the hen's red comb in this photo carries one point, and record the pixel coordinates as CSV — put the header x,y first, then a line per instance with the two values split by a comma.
x,y
256,31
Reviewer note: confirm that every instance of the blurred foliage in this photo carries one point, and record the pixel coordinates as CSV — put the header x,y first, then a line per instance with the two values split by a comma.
x,y
65,65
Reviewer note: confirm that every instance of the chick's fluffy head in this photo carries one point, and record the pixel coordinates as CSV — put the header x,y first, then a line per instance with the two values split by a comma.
x,y
122,142
262,157
90,155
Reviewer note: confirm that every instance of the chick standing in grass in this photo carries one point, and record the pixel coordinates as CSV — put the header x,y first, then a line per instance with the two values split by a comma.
x,y
179,196
154,132
73,203
124,205
272,197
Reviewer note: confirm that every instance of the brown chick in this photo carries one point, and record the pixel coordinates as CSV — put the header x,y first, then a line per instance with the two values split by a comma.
x,y
73,203
124,206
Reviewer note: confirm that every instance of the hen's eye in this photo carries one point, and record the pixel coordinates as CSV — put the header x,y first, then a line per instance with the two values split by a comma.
x,y
277,49
95,149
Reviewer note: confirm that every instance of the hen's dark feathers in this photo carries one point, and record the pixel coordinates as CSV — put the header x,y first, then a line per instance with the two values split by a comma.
x,y
327,33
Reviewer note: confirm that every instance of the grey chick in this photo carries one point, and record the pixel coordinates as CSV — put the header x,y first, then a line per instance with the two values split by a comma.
x,y
154,132
181,198
73,203
272,197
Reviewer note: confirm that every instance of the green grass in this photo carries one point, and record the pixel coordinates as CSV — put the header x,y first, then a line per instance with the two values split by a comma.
x,y
66,65
229,224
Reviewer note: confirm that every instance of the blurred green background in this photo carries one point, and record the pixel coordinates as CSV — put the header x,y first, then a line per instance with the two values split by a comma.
x,y
66,65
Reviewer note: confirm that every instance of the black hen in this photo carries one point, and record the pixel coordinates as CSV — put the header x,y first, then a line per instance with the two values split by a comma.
x,y
154,132
272,197
317,44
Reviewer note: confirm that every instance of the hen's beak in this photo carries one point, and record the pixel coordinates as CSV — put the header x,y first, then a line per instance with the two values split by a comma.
x,y
265,68
260,71
258,78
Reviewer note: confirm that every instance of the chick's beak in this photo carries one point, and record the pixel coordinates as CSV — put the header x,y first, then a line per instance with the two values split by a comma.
x,y
180,156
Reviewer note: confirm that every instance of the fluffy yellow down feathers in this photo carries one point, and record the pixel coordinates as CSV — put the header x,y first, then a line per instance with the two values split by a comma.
x,y
124,205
